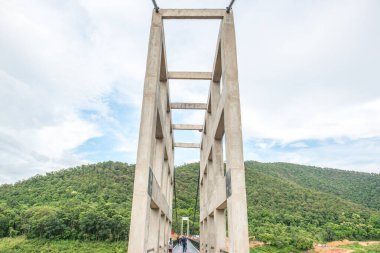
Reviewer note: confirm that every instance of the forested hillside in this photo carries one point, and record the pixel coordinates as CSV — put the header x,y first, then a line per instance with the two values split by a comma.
x,y
90,202
360,188
287,204
291,204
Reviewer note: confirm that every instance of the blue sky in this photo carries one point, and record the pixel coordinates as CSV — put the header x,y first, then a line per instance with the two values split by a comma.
x,y
72,72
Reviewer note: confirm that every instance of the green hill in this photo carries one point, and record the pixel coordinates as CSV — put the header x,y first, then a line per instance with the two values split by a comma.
x,y
288,204
357,187
291,204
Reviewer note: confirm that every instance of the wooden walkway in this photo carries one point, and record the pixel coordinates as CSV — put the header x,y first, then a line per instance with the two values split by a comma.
x,y
190,248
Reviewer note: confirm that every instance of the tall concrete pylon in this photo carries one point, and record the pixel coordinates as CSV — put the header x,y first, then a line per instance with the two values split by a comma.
x,y
223,202
187,226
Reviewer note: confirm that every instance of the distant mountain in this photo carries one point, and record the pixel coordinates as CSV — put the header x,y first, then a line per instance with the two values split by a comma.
x,y
289,205
358,187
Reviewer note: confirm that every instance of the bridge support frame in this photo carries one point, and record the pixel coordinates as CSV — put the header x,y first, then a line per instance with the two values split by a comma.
x,y
222,185
222,182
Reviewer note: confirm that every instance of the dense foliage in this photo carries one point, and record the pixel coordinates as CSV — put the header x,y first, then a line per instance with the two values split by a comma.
x,y
90,202
357,187
285,212
288,205
21,245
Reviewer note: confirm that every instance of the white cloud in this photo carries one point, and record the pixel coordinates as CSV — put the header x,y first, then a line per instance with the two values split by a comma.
x,y
57,60
349,154
308,70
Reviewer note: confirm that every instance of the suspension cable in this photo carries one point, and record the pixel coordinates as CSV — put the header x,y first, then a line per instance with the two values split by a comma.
x,y
229,7
155,6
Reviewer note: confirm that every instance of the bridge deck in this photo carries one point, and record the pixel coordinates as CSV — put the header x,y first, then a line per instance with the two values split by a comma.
x,y
190,248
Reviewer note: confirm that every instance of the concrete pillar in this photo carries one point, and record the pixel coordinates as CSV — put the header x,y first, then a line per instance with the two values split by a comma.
x,y
205,235
154,229
237,202
141,211
220,230
162,233
201,241
211,234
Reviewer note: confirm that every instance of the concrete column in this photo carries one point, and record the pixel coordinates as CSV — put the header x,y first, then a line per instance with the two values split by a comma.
x,y
220,188
220,230
159,161
141,212
154,229
210,182
211,234
201,240
181,226
205,235
162,234
188,227
164,179
237,202
215,97
166,234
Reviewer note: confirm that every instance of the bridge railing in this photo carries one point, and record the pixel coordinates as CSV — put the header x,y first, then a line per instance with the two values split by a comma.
x,y
195,243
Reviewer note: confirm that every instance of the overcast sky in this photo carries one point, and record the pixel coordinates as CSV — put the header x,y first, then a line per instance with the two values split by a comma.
x,y
72,73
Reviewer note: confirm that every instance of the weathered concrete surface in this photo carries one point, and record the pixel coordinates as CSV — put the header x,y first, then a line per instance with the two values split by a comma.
x,y
186,145
190,75
192,13
187,127
189,106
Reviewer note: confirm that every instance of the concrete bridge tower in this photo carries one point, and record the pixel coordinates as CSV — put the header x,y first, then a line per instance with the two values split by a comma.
x,y
223,205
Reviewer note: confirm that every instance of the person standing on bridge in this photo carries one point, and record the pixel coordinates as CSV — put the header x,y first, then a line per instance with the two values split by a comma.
x,y
170,245
184,244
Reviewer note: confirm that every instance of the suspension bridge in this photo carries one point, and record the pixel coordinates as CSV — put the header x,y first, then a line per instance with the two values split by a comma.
x,y
221,191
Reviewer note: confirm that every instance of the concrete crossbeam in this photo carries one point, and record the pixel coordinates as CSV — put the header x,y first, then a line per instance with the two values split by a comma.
x,y
190,75
186,145
192,13
187,127
189,106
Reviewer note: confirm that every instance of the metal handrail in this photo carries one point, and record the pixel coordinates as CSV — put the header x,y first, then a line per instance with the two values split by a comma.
x,y
195,243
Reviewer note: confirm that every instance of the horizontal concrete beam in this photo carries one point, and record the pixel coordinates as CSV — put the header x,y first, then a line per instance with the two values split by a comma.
x,y
192,13
186,145
189,106
187,127
190,75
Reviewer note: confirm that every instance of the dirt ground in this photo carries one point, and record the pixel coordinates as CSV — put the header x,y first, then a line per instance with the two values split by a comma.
x,y
332,247
253,244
